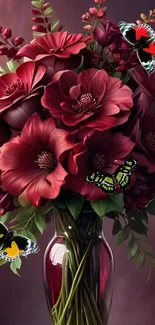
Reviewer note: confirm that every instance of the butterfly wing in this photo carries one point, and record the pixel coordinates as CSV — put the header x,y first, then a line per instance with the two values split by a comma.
x,y
106,182
19,245
128,31
3,234
124,173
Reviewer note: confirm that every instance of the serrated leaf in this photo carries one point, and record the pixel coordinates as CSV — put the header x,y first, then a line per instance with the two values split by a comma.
x,y
12,65
116,227
151,207
48,12
14,268
55,26
122,235
75,204
40,222
37,4
100,207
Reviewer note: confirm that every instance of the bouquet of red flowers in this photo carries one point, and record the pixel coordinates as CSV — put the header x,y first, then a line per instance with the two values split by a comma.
x,y
77,137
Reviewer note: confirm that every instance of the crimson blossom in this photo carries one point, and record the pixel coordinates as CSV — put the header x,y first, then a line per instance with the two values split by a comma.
x,y
88,99
32,162
20,93
59,50
99,151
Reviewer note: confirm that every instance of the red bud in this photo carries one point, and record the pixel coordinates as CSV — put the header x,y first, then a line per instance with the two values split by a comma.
x,y
40,29
11,53
39,20
3,50
17,41
36,11
6,33
45,6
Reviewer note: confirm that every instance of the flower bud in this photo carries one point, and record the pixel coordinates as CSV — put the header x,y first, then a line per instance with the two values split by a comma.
x,y
100,13
93,11
3,50
45,6
36,11
39,20
17,41
6,33
40,29
88,27
112,47
11,53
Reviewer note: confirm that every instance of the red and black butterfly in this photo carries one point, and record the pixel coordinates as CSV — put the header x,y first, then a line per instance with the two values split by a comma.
x,y
142,37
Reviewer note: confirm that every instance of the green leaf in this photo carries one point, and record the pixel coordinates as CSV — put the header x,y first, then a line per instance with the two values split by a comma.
x,y
37,4
31,236
2,71
122,235
116,227
100,207
2,262
142,214
115,203
55,26
12,65
81,65
138,226
48,12
75,204
5,217
38,34
18,263
13,268
40,222
117,74
151,207
140,259
59,203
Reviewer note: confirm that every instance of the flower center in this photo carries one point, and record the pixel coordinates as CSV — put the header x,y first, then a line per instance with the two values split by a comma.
x,y
99,162
14,87
46,161
85,104
149,141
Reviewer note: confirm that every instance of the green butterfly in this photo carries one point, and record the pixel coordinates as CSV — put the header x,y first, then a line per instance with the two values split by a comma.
x,y
108,182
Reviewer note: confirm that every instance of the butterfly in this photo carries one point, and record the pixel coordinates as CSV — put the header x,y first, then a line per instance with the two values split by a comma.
x,y
142,37
13,246
108,182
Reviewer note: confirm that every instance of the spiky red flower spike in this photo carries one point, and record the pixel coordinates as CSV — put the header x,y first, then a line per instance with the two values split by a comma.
x,y
42,18
94,16
9,46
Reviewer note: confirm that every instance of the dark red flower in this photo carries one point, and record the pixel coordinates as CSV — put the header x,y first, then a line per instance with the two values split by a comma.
x,y
5,133
99,151
120,52
89,99
60,50
140,194
146,87
32,162
144,151
20,93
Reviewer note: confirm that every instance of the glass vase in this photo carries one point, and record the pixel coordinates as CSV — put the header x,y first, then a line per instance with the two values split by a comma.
x,y
78,271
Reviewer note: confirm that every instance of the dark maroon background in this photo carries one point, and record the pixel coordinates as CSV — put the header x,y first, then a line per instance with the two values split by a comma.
x,y
22,300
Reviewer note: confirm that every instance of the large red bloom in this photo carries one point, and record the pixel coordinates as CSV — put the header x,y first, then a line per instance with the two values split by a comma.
x,y
89,99
20,93
32,163
99,151
59,50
